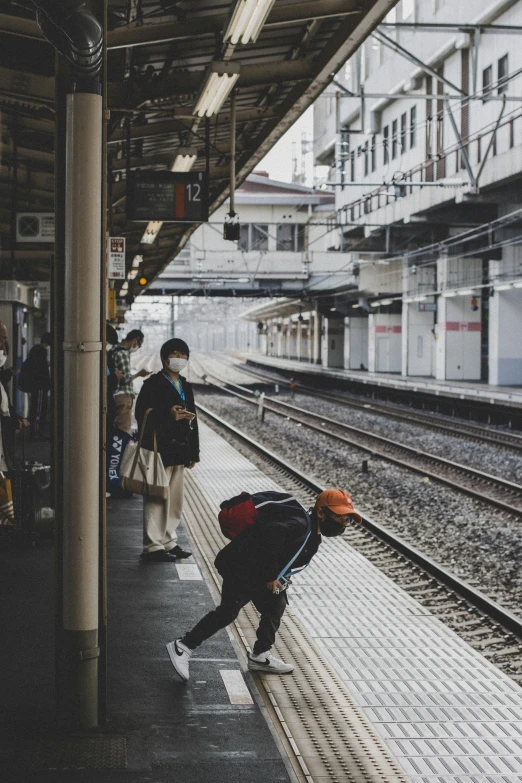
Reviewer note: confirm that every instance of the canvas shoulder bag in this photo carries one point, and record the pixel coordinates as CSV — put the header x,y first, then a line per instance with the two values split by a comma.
x,y
142,471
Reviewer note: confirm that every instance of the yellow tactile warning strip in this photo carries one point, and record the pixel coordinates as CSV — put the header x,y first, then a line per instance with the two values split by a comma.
x,y
326,732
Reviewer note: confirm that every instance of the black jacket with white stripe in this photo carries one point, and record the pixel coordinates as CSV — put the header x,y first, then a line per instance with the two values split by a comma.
x,y
261,551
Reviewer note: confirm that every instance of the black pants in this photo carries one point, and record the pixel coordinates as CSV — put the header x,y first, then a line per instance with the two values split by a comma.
x,y
233,597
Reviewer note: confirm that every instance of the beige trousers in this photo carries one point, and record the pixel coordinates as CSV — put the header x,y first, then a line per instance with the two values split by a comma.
x,y
123,418
161,518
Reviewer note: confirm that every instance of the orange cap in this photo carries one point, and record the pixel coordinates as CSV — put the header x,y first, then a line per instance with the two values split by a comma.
x,y
338,501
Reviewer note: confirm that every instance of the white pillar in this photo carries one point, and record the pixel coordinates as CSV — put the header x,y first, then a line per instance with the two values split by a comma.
x,y
505,345
317,337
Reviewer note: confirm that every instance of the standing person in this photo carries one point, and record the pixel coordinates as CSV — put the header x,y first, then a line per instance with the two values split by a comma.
x,y
36,379
173,418
120,367
9,420
257,565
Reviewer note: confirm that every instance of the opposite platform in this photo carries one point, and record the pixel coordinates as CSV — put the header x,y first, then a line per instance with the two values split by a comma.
x,y
461,390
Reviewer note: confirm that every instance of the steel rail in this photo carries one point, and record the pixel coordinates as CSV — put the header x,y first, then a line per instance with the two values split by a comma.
x,y
302,416
453,427
490,608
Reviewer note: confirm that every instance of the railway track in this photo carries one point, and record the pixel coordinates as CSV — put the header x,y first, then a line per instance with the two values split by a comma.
x,y
500,493
454,427
484,624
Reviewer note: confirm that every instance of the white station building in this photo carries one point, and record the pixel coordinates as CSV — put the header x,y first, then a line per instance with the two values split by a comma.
x,y
422,131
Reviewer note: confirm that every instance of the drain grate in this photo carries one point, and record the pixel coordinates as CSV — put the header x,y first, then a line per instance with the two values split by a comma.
x,y
81,753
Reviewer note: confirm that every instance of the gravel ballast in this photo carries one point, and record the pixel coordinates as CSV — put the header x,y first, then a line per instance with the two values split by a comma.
x,y
470,538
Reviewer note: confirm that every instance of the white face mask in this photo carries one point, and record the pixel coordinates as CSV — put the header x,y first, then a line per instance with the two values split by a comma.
x,y
134,348
177,365
3,358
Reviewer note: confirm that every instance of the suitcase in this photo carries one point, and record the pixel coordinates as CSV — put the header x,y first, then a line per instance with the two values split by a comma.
x,y
33,515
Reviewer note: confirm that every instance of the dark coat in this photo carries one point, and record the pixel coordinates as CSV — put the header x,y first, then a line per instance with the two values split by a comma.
x,y
261,551
10,425
36,369
178,441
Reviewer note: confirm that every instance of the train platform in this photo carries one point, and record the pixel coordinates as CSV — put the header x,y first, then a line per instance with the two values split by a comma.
x,y
381,691
475,391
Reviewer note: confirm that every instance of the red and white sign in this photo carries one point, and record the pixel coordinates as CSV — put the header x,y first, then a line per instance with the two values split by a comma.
x,y
116,258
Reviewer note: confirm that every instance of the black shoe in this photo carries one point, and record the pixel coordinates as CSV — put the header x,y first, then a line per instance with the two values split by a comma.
x,y
178,552
159,556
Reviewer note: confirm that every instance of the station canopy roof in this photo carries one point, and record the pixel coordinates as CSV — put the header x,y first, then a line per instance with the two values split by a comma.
x,y
160,55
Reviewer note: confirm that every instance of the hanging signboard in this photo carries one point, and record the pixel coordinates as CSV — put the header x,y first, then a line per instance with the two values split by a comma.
x,y
35,227
116,258
427,307
168,196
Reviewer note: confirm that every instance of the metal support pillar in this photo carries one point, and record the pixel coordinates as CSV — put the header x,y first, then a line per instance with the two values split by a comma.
x,y
317,337
76,32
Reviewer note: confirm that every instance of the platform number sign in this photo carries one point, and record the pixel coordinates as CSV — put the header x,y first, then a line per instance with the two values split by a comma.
x,y
176,197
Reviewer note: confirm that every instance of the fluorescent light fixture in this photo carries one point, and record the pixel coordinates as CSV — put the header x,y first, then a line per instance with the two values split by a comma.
x,y
386,301
124,288
420,299
132,274
151,232
375,304
136,261
408,300
217,87
465,292
447,294
184,162
518,284
247,20
503,287
355,306
333,309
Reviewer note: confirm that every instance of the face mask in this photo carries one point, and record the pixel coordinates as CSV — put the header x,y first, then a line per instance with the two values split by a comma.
x,y
177,365
3,358
329,527
134,348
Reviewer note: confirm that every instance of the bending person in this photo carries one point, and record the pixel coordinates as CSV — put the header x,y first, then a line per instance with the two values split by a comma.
x,y
173,418
257,566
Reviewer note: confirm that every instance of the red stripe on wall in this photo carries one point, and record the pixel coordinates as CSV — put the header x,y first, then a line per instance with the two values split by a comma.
x,y
460,326
388,329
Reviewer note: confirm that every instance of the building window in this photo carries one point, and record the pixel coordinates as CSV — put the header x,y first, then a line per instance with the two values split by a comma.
x,y
290,237
374,153
253,236
385,145
394,139
413,126
366,162
502,74
404,119
487,78
408,7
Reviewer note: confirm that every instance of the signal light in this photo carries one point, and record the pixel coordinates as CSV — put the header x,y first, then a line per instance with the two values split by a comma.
x,y
143,281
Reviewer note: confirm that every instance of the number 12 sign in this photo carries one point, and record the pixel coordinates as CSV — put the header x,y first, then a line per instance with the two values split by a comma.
x,y
170,196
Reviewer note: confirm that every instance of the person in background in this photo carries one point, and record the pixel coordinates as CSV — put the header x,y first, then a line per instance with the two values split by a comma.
x,y
38,379
9,420
173,418
120,367
113,376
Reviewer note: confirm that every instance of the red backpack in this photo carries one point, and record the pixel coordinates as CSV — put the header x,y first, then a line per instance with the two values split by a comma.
x,y
237,514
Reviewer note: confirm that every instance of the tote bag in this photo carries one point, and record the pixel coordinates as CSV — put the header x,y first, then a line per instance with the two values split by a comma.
x,y
142,471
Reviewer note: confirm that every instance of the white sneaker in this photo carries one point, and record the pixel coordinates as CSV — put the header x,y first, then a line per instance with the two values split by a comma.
x,y
179,655
266,662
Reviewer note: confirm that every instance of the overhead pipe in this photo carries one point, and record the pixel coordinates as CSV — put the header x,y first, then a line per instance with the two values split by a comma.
x,y
75,32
